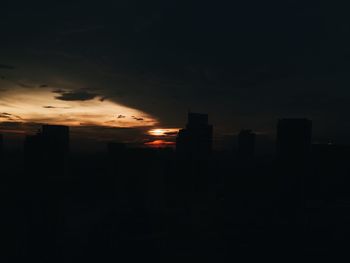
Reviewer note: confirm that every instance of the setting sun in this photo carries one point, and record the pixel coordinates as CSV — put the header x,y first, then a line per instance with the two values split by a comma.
x,y
164,132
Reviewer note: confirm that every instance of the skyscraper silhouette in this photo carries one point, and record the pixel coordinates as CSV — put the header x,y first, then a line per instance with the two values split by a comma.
x,y
294,139
246,145
50,141
33,145
195,141
55,139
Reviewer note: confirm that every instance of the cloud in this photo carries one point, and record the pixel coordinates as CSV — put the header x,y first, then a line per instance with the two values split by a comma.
x,y
171,133
9,117
41,106
20,128
3,66
23,85
54,107
137,118
78,95
121,117
4,115
15,82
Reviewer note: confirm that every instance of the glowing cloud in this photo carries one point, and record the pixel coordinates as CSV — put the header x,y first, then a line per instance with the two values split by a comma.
x,y
42,106
164,132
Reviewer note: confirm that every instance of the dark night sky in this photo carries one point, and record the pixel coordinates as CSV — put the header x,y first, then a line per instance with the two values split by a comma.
x,y
246,63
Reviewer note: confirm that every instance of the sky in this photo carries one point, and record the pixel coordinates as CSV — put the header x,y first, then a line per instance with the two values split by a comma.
x,y
116,70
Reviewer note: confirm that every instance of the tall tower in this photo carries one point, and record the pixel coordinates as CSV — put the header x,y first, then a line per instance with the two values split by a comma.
x,y
50,141
196,140
55,139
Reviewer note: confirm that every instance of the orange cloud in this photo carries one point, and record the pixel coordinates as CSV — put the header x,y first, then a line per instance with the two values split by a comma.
x,y
40,105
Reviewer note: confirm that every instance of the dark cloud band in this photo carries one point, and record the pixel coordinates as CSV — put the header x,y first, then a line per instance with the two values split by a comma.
x,y
78,95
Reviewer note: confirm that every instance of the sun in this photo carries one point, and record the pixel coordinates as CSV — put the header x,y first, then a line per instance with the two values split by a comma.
x,y
163,132
156,132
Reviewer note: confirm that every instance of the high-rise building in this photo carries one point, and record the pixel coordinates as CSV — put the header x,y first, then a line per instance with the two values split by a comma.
x,y
33,145
51,140
195,141
294,139
246,145
55,139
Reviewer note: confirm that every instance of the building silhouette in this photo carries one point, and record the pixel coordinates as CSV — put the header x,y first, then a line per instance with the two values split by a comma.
x,y
195,141
246,145
33,145
294,139
55,139
50,141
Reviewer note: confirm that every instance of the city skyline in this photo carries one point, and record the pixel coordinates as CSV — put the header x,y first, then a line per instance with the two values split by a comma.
x,y
163,137
174,130
135,67
293,137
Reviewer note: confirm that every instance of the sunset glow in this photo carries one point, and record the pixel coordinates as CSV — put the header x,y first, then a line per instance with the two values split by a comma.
x,y
164,132
42,106
159,144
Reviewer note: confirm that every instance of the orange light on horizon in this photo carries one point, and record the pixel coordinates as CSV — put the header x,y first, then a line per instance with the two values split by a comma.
x,y
164,132
160,144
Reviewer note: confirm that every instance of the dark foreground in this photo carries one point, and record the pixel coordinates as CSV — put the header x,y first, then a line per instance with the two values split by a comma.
x,y
146,205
